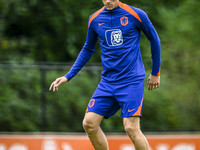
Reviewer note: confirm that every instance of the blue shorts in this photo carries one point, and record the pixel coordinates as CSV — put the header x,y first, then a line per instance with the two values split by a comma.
x,y
109,98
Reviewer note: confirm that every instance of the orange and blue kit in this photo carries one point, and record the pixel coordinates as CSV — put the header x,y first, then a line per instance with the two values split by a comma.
x,y
121,85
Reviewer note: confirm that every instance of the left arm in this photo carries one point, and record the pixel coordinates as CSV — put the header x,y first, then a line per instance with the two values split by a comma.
x,y
148,29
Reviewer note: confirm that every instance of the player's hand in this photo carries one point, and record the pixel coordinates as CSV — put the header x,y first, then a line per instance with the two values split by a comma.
x,y
153,82
57,82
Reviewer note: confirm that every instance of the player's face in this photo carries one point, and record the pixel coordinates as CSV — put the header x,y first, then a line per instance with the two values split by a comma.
x,y
111,4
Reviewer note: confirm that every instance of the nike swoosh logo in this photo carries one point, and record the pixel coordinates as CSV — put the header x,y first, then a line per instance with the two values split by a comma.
x,y
131,110
101,24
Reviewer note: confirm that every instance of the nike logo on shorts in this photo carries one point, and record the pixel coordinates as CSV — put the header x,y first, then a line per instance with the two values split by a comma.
x,y
131,110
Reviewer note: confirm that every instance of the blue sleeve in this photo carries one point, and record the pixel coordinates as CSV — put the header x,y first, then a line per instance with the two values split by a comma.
x,y
85,54
147,28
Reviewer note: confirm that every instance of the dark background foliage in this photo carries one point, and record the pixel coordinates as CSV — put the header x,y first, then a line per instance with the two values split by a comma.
x,y
40,40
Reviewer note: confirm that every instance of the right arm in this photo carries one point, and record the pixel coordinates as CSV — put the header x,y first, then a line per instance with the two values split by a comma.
x,y
83,57
85,54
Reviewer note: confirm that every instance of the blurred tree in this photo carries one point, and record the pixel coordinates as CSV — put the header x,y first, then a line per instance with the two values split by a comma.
x,y
180,73
55,30
44,30
19,100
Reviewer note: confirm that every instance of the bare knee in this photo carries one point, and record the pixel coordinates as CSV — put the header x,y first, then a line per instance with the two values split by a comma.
x,y
132,128
91,122
89,126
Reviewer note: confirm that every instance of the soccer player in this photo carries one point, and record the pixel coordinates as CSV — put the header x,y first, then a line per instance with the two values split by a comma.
x,y
117,26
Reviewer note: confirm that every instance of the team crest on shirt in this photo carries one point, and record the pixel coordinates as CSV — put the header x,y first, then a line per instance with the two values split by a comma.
x,y
124,20
114,37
